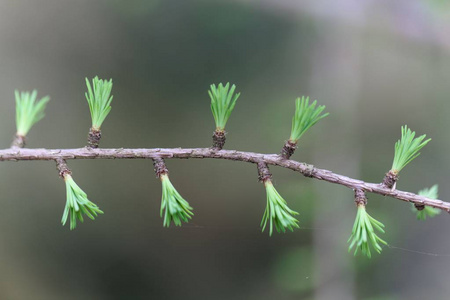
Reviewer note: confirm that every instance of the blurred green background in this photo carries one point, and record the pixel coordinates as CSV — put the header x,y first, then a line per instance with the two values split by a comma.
x,y
376,65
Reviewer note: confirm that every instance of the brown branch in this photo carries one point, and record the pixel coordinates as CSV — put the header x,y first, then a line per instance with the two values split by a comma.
x,y
16,154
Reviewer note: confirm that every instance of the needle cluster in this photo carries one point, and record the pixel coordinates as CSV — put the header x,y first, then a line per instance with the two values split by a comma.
x,y
306,115
99,99
363,235
28,111
223,100
277,212
173,206
77,204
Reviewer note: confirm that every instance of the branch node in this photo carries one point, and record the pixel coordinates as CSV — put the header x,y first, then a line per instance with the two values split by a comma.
x,y
389,180
62,167
19,141
160,167
264,172
288,149
94,137
360,197
219,138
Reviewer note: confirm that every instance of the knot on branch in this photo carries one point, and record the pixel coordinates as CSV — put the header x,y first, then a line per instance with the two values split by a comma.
x,y
219,139
94,137
160,167
62,167
288,149
360,197
419,206
390,179
264,172
19,141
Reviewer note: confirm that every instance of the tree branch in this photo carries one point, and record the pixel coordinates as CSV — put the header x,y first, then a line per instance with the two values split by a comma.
x,y
16,154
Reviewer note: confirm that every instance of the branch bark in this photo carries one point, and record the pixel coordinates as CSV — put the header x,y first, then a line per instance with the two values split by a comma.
x,y
17,154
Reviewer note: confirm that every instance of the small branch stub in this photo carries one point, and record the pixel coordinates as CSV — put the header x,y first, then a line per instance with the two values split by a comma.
x,y
219,138
160,167
360,198
264,172
288,149
18,142
62,167
390,179
94,137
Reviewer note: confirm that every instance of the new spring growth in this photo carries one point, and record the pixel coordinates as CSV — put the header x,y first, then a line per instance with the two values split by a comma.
x,y
173,206
77,202
223,100
423,211
363,235
306,115
406,149
277,212
28,113
99,99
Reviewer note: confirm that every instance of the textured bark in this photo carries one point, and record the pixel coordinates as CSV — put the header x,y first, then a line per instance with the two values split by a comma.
x,y
160,167
19,141
390,179
288,149
219,139
264,172
270,159
360,198
62,167
94,137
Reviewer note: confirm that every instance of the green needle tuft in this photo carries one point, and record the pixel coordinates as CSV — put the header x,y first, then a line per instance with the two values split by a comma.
x,y
223,101
363,233
277,212
407,148
427,211
99,99
77,204
174,207
306,115
28,111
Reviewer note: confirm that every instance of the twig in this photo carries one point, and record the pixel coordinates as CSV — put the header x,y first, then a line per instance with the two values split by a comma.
x,y
16,154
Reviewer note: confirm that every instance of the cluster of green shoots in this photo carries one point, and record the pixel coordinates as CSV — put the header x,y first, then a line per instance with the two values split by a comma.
x,y
306,115
77,204
173,206
99,99
277,212
363,233
407,149
223,100
28,111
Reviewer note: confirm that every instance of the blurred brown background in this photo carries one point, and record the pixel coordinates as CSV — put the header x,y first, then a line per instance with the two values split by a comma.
x,y
377,65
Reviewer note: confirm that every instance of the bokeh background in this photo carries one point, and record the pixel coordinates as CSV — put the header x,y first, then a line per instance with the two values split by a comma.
x,y
376,65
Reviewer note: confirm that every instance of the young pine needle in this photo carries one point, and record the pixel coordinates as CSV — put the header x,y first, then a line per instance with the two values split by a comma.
x,y
174,207
306,115
407,148
277,212
99,99
77,204
223,100
28,111
426,211
363,234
